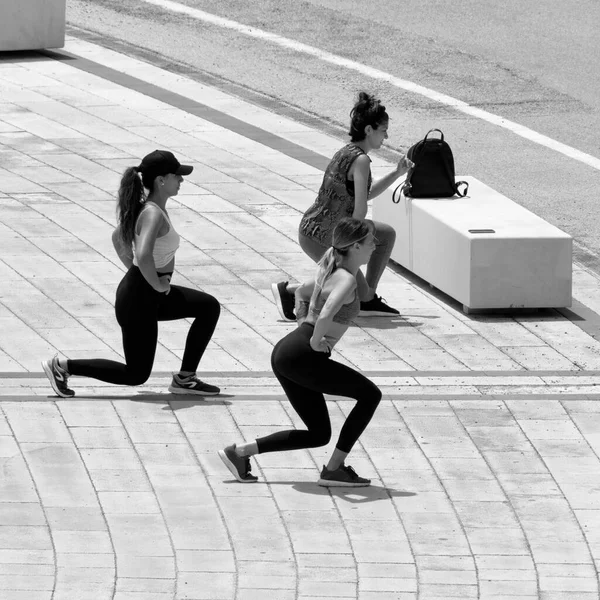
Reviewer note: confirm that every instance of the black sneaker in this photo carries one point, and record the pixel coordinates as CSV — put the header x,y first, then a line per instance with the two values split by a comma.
x,y
284,300
58,377
192,385
376,308
238,465
344,476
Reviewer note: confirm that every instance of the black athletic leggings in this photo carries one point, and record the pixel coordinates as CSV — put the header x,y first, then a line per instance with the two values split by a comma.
x,y
139,307
305,376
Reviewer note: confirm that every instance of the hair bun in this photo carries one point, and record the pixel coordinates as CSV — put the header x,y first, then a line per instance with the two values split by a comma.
x,y
365,98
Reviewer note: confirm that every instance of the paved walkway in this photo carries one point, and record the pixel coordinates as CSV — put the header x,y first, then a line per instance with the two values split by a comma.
x,y
484,451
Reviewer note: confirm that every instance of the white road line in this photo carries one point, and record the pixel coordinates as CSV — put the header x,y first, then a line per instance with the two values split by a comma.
x,y
409,86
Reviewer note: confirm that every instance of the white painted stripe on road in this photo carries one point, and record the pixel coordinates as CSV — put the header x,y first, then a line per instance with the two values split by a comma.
x,y
409,86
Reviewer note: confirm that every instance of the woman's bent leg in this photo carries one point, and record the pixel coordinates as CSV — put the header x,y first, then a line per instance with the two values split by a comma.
x,y
139,345
135,308
385,237
312,409
311,247
182,303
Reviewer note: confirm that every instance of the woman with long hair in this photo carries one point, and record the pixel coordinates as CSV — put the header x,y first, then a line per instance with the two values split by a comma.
x,y
346,189
146,242
303,365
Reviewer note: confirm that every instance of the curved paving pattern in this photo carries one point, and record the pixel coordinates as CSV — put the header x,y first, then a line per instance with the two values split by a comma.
x,y
484,451
472,499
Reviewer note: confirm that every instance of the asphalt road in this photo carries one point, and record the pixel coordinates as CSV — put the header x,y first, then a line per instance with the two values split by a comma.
x,y
532,63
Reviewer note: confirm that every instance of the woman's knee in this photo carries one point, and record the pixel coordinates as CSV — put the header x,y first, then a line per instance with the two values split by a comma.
x,y
137,377
320,437
213,307
384,233
372,395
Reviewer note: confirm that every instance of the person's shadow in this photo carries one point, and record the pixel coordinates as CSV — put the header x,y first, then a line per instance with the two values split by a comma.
x,y
172,402
353,495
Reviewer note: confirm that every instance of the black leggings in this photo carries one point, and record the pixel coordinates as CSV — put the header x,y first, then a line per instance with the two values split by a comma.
x,y
139,307
305,376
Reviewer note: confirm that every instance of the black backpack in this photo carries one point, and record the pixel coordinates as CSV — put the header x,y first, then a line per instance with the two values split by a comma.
x,y
432,175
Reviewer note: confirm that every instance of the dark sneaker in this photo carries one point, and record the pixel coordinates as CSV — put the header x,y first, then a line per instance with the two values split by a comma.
x,y
344,476
376,308
192,385
238,465
58,377
284,300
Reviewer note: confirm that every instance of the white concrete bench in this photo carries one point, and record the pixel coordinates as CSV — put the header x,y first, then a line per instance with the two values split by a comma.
x,y
32,24
484,250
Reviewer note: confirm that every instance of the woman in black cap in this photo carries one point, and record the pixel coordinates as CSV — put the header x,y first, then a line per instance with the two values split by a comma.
x,y
146,242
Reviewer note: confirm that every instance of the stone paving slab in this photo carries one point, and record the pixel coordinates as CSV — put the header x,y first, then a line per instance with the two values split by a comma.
x,y
483,453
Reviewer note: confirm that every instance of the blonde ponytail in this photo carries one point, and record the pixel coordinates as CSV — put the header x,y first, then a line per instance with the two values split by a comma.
x,y
325,268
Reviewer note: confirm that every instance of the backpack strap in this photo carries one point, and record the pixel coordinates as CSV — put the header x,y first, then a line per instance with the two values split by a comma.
x,y
431,131
456,183
401,188
459,183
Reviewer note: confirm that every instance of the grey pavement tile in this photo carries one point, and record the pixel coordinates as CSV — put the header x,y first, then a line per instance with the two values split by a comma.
x,y
474,469
561,447
84,560
139,534
560,595
466,490
145,567
120,480
556,429
25,537
489,515
81,413
26,569
517,461
20,514
110,458
267,575
157,411
75,519
569,584
529,484
100,437
145,584
81,192
206,561
535,357
508,588
23,145
28,595
27,582
127,502
209,586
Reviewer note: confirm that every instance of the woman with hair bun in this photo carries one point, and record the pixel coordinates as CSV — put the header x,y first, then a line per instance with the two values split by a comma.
x,y
146,242
347,187
302,363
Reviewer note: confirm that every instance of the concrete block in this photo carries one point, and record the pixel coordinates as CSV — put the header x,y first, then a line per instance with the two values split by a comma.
x,y
484,250
32,24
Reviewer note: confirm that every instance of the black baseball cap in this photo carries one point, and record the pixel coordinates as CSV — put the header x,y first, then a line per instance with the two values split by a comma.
x,y
163,162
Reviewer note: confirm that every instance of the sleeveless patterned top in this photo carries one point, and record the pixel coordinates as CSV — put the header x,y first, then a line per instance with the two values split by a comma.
x,y
335,198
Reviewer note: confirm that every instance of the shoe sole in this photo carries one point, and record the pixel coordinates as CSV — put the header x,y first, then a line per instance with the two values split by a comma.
x,y
276,295
374,313
330,483
185,392
232,468
48,371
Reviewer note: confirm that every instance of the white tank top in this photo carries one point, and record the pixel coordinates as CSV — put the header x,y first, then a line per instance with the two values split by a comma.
x,y
165,246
